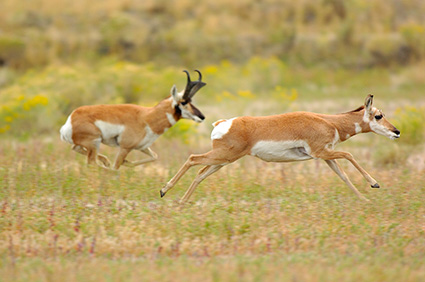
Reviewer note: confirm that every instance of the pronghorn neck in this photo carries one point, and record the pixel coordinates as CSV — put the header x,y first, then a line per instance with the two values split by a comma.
x,y
350,124
163,116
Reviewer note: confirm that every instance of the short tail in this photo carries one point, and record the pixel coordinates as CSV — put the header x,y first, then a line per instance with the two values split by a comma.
x,y
218,122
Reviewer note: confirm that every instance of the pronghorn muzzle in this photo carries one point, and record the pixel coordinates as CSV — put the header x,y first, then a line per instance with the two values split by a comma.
x,y
397,132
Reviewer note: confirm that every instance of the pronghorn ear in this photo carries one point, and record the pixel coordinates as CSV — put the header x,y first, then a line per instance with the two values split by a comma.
x,y
175,95
368,103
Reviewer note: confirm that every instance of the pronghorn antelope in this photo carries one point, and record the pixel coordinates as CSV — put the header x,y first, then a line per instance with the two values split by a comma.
x,y
129,127
289,137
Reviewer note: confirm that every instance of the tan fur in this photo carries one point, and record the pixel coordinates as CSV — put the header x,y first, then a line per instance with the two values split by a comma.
x,y
319,131
134,118
128,126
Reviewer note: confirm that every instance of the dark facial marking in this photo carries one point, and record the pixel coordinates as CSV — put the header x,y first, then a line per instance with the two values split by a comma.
x,y
197,112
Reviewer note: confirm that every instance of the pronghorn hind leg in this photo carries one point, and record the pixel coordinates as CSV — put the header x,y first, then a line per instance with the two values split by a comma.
x,y
176,177
81,150
338,170
214,157
152,157
202,174
119,160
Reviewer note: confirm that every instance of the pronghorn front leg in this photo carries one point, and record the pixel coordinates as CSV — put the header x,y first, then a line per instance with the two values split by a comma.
x,y
152,157
338,170
331,155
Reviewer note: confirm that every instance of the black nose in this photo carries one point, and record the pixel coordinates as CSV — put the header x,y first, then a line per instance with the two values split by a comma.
x,y
396,131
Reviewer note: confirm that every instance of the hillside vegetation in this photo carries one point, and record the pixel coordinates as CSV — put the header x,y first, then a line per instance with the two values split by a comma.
x,y
355,33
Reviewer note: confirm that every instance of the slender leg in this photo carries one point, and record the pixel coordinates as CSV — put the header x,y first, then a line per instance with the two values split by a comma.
x,y
92,147
81,150
214,157
202,174
373,183
122,154
188,164
338,170
152,157
330,155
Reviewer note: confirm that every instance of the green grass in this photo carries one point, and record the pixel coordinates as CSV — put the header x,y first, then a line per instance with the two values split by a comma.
x,y
251,221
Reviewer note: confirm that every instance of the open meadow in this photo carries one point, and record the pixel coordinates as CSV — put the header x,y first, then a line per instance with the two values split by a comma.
x,y
251,221
61,220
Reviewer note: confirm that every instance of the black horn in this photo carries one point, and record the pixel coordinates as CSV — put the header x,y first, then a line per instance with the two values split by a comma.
x,y
198,85
192,86
200,75
188,77
188,87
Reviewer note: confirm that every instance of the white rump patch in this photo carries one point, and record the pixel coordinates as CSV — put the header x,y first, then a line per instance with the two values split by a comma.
x,y
66,131
111,133
282,151
221,128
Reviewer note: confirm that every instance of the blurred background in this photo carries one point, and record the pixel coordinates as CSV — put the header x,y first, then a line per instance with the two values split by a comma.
x,y
257,57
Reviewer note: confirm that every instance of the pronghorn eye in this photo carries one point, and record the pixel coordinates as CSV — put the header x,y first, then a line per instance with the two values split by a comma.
x,y
184,103
378,117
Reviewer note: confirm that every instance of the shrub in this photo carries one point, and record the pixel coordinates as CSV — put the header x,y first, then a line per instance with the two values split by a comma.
x,y
11,50
414,35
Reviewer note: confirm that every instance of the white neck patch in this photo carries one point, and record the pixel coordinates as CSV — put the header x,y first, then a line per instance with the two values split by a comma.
x,y
171,119
357,127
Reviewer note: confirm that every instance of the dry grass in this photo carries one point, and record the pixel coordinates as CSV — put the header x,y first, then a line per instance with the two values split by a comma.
x,y
251,221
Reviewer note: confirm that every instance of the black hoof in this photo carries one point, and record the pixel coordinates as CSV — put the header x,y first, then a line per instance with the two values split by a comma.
x,y
376,185
161,193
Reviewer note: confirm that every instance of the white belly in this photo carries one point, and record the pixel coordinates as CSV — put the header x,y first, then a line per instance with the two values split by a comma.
x,y
111,133
150,137
281,151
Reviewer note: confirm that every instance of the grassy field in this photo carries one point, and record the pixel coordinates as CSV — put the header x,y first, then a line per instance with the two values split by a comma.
x,y
252,221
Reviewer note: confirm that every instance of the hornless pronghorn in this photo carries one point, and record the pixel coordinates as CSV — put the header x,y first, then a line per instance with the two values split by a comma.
x,y
128,126
288,137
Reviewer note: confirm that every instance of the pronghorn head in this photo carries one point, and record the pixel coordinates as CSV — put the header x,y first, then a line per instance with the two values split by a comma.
x,y
182,102
377,121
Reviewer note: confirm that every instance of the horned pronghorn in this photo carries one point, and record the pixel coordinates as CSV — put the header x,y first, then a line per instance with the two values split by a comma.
x,y
289,137
128,126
